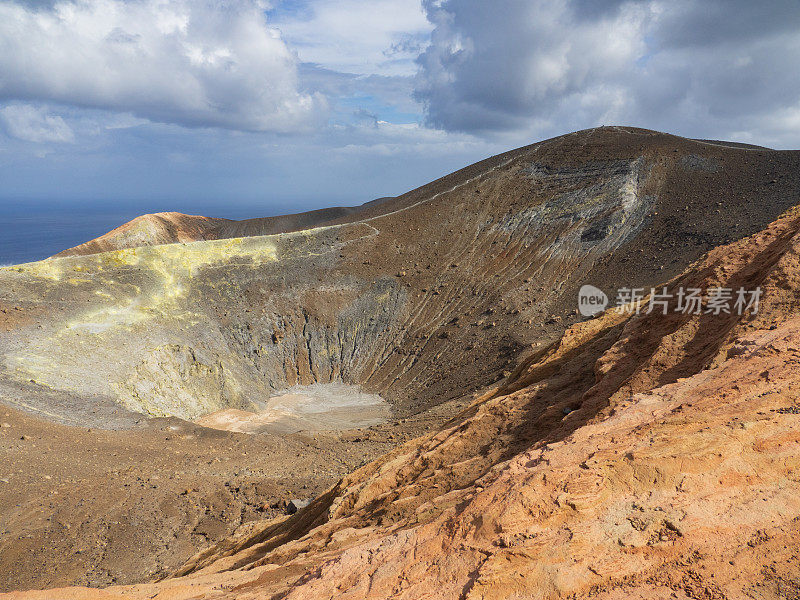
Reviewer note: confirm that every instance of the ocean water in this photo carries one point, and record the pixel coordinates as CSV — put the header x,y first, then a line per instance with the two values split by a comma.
x,y
35,230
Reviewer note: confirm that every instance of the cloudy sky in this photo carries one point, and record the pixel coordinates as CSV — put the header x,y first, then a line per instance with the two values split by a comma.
x,y
292,104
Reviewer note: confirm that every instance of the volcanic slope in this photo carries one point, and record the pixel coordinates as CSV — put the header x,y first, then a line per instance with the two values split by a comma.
x,y
423,298
641,455
426,299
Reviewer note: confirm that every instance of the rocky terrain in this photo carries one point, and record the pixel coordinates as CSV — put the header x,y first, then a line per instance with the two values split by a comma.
x,y
629,455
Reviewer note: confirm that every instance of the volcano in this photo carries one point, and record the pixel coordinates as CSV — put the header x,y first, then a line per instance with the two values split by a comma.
x,y
417,368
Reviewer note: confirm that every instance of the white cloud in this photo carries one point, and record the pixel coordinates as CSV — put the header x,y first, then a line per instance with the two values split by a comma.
x,y
498,65
34,124
700,67
380,37
189,62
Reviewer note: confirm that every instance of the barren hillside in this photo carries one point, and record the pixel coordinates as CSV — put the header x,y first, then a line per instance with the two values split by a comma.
x,y
616,456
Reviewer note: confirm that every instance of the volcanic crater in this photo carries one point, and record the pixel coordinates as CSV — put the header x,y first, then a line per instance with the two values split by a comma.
x,y
338,329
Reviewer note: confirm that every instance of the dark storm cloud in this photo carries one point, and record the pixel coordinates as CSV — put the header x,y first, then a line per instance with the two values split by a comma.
x,y
712,23
692,65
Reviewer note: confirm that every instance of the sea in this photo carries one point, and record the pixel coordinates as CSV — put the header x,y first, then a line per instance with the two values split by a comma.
x,y
34,230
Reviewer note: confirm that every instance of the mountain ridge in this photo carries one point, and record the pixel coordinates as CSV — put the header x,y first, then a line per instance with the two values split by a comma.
x,y
172,227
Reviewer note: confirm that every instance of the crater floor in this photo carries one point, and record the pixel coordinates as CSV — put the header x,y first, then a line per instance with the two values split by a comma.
x,y
317,407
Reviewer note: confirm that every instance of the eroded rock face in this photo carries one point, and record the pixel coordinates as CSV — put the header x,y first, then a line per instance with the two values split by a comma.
x,y
173,381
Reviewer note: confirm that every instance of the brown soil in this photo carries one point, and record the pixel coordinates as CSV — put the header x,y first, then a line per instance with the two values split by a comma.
x,y
94,507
